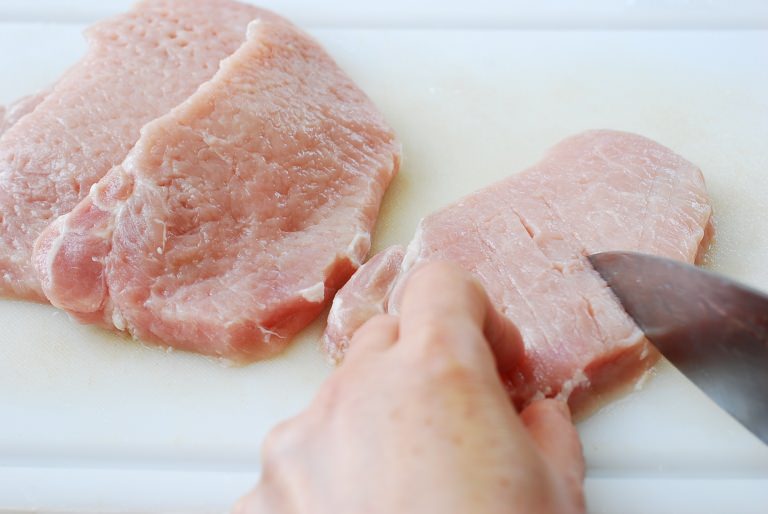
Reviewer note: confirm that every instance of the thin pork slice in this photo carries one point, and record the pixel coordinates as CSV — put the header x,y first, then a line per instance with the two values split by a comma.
x,y
526,239
237,215
138,66
364,296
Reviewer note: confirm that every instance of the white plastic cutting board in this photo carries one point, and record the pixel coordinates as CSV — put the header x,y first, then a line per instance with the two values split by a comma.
x,y
94,422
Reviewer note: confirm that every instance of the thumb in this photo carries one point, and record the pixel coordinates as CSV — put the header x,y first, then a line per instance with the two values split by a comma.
x,y
549,424
504,338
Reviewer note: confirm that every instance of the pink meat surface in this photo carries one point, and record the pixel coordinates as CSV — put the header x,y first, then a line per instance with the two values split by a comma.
x,y
138,66
237,215
18,109
362,297
526,239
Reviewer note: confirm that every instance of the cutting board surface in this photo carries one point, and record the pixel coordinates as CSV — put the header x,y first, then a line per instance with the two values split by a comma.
x,y
84,411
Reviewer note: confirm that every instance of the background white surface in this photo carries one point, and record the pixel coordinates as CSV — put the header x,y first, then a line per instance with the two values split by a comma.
x,y
91,421
557,14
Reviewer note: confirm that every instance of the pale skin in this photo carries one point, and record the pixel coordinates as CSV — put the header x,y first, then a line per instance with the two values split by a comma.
x,y
416,420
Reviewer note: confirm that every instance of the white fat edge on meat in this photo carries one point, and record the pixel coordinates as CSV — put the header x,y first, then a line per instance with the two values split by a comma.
x,y
382,306
93,194
251,34
114,315
313,294
118,320
111,312
634,337
411,257
646,375
337,305
646,347
253,28
578,379
358,248
355,253
337,315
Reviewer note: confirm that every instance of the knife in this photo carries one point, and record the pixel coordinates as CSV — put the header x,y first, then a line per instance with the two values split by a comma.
x,y
714,330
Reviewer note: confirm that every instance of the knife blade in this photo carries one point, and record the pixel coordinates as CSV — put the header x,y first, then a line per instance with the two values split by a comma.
x,y
711,328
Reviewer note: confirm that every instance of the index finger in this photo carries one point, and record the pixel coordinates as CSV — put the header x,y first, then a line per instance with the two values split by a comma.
x,y
442,300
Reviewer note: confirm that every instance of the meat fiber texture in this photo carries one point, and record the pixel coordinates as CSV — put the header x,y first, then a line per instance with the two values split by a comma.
x,y
138,66
526,239
237,215
18,109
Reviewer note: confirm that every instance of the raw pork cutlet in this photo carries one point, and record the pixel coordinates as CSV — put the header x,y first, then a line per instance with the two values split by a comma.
x,y
138,66
237,215
526,239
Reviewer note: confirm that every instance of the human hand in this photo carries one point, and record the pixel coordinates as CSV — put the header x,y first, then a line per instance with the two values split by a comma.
x,y
416,420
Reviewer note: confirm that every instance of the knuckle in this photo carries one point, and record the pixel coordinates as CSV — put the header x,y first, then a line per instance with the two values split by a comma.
x,y
329,394
449,358
436,339
433,336
444,363
280,442
450,370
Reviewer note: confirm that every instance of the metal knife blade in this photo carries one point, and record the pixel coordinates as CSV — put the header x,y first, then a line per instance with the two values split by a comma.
x,y
714,330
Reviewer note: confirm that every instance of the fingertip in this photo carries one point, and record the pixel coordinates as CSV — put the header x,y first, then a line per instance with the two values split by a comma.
x,y
437,276
443,308
441,297
548,408
378,333
440,292
549,424
547,416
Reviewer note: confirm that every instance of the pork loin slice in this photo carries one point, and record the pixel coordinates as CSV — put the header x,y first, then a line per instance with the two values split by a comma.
x,y
526,239
237,215
138,66
364,296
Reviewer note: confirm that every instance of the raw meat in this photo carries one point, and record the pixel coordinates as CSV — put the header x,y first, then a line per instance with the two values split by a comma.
x,y
18,109
237,215
526,239
138,66
362,297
